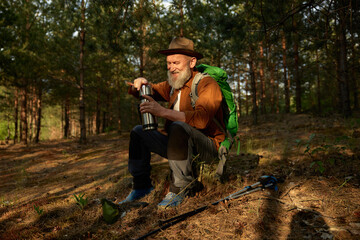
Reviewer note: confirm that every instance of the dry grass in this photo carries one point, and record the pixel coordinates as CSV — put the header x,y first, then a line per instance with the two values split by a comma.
x,y
309,204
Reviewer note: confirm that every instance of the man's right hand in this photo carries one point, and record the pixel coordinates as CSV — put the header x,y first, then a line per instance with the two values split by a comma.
x,y
138,82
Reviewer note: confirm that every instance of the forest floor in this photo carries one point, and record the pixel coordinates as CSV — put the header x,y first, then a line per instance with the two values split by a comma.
x,y
318,160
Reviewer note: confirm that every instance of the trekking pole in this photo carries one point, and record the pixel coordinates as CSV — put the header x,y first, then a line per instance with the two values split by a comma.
x,y
264,182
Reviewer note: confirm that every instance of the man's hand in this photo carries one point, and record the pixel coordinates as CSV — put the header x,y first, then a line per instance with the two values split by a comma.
x,y
151,106
138,82
157,110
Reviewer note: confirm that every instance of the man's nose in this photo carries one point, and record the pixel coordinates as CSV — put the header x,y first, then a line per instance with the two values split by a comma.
x,y
171,67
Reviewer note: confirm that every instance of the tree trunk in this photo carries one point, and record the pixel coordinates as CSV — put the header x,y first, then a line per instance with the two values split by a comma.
x,y
23,89
253,87
262,80
38,118
23,115
98,109
354,79
272,82
318,87
142,48
181,18
247,95
342,73
104,122
7,139
296,66
8,130
239,103
82,139
277,95
16,116
118,107
109,109
89,122
286,80
105,113
67,117
32,114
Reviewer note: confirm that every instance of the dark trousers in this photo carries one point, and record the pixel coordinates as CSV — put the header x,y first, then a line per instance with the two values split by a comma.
x,y
182,142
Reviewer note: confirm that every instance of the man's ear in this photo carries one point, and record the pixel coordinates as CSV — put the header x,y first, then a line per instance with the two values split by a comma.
x,y
193,62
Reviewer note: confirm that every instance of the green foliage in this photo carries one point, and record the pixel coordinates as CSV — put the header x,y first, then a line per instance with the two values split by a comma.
x,y
353,123
109,129
319,166
51,123
81,202
323,151
38,210
6,123
5,203
4,130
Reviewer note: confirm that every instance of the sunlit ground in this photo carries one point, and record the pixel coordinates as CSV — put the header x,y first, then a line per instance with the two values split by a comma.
x,y
317,158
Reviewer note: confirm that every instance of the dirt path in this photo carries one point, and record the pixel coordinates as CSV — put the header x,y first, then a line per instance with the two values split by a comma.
x,y
317,159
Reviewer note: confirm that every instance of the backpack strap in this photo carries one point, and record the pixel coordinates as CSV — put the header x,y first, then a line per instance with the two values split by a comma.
x,y
194,93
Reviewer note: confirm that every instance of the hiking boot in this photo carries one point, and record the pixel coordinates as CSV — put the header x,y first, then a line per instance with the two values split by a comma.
x,y
136,194
171,200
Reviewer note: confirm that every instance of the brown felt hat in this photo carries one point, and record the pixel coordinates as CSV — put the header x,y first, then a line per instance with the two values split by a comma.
x,y
181,45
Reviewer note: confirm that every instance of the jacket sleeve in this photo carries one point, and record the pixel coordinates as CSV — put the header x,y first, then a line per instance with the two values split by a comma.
x,y
161,91
207,105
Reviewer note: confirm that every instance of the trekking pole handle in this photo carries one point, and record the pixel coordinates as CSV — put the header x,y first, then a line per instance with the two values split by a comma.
x,y
269,181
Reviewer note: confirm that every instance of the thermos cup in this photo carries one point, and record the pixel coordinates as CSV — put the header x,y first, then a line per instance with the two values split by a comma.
x,y
147,119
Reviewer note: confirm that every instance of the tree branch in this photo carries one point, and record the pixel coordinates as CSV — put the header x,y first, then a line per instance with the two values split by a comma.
x,y
292,12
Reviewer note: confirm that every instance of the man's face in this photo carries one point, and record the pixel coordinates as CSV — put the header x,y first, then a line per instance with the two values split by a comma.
x,y
179,69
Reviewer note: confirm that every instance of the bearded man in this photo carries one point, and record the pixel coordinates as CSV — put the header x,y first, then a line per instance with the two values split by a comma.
x,y
188,130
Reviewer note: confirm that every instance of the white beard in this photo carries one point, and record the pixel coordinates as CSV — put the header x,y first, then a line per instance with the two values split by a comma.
x,y
182,78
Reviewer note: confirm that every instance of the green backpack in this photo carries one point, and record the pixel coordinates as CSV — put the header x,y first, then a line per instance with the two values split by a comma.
x,y
229,108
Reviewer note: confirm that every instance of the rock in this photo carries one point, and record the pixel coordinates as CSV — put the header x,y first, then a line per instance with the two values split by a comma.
x,y
354,231
327,236
355,225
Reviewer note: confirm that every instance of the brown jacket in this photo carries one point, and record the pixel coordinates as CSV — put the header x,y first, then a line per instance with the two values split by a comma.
x,y
207,106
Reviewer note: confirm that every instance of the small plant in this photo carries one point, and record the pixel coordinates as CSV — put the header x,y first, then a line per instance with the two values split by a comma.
x,y
320,166
38,210
248,145
312,151
5,203
109,129
81,201
323,149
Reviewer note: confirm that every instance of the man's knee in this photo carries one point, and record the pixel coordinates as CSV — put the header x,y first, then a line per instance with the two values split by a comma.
x,y
137,129
135,134
177,128
178,141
